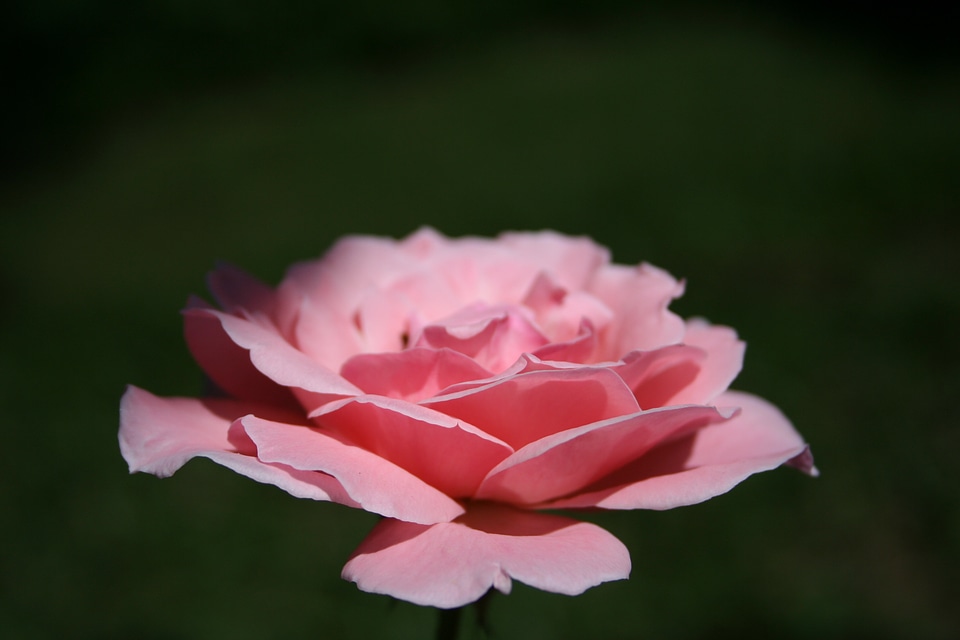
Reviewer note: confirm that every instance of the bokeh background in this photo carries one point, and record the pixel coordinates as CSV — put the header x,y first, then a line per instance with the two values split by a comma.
x,y
796,162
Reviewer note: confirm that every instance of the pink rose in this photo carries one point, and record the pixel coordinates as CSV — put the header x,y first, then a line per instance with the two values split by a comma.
x,y
458,388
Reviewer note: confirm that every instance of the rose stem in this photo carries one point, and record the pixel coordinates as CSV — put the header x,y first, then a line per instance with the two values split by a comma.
x,y
449,623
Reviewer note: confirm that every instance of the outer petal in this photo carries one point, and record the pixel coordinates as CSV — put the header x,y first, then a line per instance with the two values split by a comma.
x,y
707,464
452,564
273,356
234,290
567,462
442,451
158,435
225,362
375,484
527,407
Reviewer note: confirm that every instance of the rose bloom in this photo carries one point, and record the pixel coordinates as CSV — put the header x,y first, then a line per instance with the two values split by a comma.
x,y
458,388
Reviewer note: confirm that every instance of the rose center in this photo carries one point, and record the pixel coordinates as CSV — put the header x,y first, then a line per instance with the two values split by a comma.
x,y
493,335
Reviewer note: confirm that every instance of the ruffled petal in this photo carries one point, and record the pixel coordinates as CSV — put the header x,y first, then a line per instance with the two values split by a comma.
x,y
567,462
452,564
159,435
706,464
526,407
440,450
563,315
374,483
494,336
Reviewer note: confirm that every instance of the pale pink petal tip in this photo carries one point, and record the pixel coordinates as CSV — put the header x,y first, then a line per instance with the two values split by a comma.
x,y
159,435
451,564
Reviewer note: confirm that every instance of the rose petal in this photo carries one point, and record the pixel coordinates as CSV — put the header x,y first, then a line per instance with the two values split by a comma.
x,y
494,336
423,243
572,261
376,484
503,269
561,464
481,270
352,266
660,374
561,314
326,334
562,322
520,409
383,318
452,564
413,374
159,435
234,290
638,299
579,349
544,293
225,362
317,299
442,451
270,354
429,294
723,361
708,464
759,429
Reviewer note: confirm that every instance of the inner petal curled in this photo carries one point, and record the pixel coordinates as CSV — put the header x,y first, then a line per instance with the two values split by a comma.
x,y
493,335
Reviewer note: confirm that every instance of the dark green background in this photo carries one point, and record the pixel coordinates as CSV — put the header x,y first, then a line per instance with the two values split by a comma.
x,y
797,165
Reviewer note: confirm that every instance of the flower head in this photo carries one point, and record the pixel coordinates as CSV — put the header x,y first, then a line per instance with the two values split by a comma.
x,y
458,387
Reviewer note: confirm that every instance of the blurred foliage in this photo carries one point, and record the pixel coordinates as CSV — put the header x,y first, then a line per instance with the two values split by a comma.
x,y
75,66
799,172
